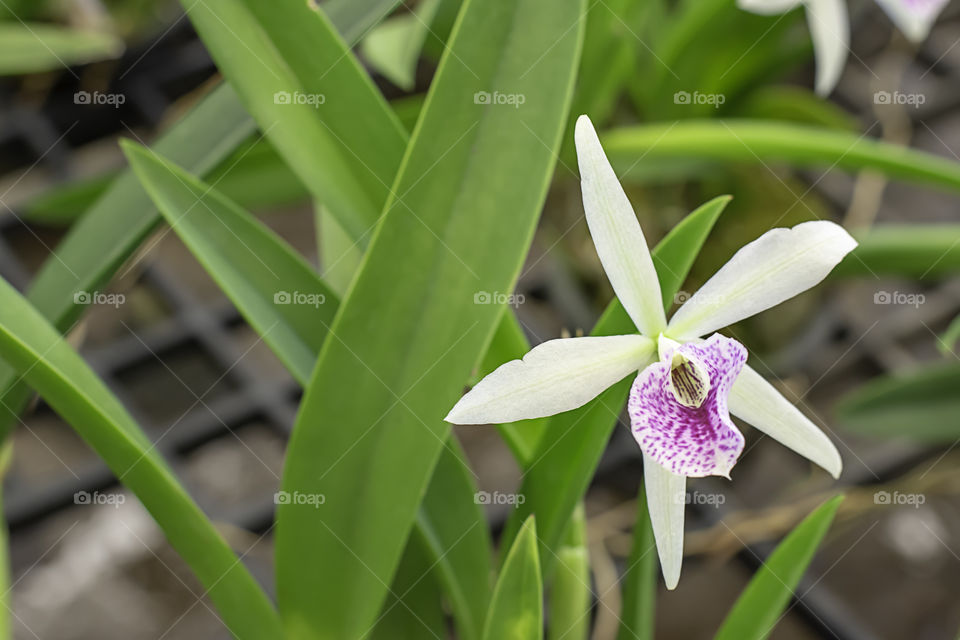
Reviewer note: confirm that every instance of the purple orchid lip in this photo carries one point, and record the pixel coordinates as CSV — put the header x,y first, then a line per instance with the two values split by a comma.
x,y
678,407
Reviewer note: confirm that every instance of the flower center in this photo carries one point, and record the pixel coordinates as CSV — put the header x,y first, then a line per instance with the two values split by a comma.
x,y
689,382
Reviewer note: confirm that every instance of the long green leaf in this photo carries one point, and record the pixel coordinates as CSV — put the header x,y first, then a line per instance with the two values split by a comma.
x,y
254,266
516,611
921,251
561,469
570,594
41,355
640,579
413,608
29,48
355,17
761,605
307,91
371,424
757,142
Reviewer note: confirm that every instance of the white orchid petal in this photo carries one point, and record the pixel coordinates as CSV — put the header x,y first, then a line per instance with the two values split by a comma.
x,y
830,30
775,267
756,401
553,377
617,234
768,7
914,18
665,502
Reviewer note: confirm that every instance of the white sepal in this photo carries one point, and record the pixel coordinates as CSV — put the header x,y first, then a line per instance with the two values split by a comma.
x,y
666,502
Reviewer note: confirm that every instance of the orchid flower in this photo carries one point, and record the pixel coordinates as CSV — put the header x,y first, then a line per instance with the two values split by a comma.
x,y
830,28
686,386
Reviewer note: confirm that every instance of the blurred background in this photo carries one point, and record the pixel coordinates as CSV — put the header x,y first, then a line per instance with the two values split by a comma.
x,y
219,406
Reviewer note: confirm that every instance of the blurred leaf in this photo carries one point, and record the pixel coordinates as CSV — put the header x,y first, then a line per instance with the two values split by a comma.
x,y
516,611
570,595
921,251
30,48
796,104
63,204
260,273
760,606
393,47
110,231
408,109
640,578
757,142
921,405
371,425
949,338
413,608
565,463
40,354
311,97
6,631
355,17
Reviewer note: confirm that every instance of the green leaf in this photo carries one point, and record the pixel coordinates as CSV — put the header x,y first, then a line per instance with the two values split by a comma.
x,y
261,274
949,339
355,17
796,104
307,91
570,595
110,231
6,631
393,47
30,48
639,580
757,142
47,362
371,427
922,251
922,405
760,606
564,464
516,611
413,608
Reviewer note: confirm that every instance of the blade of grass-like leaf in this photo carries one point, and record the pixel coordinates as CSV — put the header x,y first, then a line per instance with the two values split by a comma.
x,y
371,426
640,578
912,251
257,271
760,606
47,362
254,266
6,451
570,594
393,46
516,611
922,405
106,236
30,48
758,142
413,608
355,17
560,472
307,91
949,339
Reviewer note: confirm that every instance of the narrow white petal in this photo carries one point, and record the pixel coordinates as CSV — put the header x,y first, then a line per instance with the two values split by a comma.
x,y
756,401
914,18
830,30
617,234
553,377
775,267
768,7
666,501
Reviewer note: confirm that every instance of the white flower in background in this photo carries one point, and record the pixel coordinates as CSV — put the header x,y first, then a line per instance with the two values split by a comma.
x,y
830,28
686,386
